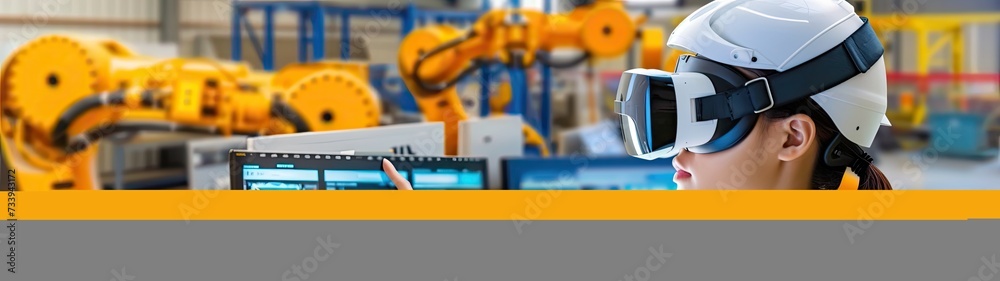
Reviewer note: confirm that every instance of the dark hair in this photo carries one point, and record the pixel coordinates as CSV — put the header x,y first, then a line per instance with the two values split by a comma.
x,y
824,176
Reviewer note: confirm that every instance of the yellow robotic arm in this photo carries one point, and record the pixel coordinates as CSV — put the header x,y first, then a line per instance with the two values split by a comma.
x,y
60,94
434,58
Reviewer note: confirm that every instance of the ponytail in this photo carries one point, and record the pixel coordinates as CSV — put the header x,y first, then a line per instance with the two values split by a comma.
x,y
873,179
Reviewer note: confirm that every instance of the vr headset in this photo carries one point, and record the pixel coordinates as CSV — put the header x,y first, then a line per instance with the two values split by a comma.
x,y
705,106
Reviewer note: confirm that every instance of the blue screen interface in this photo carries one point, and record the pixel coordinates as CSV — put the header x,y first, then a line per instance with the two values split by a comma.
x,y
255,170
595,173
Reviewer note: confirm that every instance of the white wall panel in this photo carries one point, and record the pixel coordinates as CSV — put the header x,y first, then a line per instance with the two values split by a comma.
x,y
7,7
126,20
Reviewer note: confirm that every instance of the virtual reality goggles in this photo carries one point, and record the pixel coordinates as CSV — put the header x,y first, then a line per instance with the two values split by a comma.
x,y
705,106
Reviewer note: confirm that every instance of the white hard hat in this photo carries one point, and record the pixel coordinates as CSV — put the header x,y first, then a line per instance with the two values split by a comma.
x,y
782,34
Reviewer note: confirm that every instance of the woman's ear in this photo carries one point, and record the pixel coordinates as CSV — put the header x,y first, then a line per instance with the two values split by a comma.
x,y
799,131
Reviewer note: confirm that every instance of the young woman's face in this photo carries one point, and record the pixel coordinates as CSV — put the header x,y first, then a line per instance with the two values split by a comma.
x,y
754,163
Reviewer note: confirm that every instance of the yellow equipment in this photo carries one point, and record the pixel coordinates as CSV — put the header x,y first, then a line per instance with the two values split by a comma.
x,y
434,58
61,94
334,94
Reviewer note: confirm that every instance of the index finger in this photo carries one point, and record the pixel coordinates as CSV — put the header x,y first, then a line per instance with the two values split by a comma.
x,y
397,179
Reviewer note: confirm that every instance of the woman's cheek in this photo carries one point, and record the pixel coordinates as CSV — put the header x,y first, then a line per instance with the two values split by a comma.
x,y
720,170
705,172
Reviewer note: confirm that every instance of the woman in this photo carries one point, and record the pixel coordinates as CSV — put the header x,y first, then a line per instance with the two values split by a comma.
x,y
781,94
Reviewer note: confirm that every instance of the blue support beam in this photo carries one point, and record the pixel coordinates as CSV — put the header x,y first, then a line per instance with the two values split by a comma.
x,y
318,45
409,23
303,36
254,40
484,91
345,36
236,36
519,92
409,19
268,57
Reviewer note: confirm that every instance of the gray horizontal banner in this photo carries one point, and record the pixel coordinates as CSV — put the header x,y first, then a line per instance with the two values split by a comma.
x,y
506,250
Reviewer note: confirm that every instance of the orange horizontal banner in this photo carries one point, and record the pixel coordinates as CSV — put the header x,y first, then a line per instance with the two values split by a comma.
x,y
507,205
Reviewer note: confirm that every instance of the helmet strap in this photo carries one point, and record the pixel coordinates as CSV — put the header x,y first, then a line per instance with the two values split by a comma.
x,y
855,55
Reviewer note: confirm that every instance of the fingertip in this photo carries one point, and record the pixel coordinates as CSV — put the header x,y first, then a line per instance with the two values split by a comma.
x,y
397,179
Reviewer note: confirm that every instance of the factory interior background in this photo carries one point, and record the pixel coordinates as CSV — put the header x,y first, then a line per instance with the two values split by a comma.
x,y
943,59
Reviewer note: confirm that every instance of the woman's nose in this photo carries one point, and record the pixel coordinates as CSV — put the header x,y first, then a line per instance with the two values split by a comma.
x,y
683,153
682,157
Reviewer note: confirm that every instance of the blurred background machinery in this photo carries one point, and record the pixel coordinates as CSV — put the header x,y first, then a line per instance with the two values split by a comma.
x,y
943,58
63,94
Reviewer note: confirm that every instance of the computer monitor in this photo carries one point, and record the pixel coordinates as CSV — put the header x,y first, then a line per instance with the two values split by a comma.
x,y
269,170
588,173
423,139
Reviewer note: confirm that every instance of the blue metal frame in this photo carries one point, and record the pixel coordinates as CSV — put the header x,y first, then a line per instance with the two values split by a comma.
x,y
314,13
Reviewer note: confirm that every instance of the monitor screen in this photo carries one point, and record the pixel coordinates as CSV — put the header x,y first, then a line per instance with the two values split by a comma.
x,y
261,170
588,173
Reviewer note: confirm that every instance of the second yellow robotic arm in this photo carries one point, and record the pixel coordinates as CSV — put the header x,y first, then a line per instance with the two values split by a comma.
x,y
432,59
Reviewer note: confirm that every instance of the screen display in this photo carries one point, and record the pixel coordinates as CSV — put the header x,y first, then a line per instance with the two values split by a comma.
x,y
589,173
258,170
255,178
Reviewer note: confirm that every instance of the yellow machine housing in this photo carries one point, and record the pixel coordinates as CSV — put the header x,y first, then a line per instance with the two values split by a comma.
x,y
308,87
60,94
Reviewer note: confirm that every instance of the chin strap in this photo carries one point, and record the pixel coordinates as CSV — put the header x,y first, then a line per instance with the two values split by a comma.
x,y
843,153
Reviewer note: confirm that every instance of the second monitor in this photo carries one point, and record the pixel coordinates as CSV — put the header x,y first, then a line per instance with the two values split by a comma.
x,y
589,173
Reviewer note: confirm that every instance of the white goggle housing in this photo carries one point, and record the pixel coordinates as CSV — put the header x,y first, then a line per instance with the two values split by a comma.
x,y
633,105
